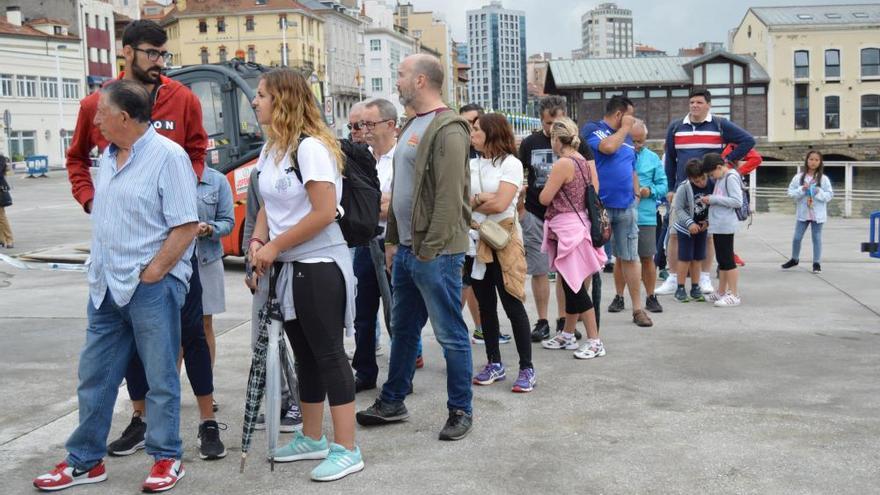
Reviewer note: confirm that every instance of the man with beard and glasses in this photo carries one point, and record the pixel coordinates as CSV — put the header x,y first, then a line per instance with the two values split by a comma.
x,y
177,115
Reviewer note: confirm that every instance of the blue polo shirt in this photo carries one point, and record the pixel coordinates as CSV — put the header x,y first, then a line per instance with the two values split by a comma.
x,y
615,170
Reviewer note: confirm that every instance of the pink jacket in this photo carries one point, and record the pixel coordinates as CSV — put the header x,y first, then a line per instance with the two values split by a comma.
x,y
568,244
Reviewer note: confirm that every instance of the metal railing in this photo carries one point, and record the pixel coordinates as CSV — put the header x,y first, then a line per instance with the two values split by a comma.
x,y
850,194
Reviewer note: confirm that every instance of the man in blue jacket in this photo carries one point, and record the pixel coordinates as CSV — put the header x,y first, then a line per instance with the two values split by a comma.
x,y
698,133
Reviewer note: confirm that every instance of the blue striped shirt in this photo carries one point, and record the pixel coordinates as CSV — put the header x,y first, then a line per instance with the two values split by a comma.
x,y
134,210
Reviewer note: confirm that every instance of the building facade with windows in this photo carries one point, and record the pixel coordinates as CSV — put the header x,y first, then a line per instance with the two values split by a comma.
x,y
385,46
89,20
432,32
497,56
824,63
42,79
659,87
268,32
607,32
344,52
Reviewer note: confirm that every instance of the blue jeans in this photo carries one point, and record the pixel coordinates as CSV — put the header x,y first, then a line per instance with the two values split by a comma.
x,y
422,290
800,229
148,325
365,323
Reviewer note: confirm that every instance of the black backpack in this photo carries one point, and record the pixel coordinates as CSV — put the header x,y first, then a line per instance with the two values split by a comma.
x,y
361,196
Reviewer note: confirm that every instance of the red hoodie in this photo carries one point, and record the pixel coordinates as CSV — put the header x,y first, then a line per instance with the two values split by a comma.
x,y
177,115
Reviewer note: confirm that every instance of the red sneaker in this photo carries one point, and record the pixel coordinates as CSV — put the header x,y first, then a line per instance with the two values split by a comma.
x,y
64,476
420,362
739,261
164,475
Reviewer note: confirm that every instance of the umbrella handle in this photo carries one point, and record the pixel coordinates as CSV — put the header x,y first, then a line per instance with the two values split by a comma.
x,y
241,468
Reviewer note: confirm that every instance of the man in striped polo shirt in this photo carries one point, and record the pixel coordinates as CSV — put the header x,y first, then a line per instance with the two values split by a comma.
x,y
144,219
698,133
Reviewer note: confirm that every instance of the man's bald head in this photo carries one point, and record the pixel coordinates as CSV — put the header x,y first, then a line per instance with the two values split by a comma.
x,y
639,134
419,80
428,66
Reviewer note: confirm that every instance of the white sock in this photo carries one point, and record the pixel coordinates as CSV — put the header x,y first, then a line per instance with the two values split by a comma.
x,y
567,336
706,275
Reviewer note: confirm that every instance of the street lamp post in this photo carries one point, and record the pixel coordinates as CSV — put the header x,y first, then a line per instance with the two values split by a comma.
x,y
58,49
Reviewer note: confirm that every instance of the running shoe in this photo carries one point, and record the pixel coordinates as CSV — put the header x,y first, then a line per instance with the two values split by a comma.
x,y
653,305
591,349
65,476
491,373
681,295
728,301
525,381
617,305
560,341
164,476
541,331
817,268
340,462
790,264
457,426
697,294
668,287
131,440
302,448
210,446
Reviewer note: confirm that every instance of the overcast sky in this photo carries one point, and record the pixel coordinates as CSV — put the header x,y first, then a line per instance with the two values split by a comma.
x,y
554,25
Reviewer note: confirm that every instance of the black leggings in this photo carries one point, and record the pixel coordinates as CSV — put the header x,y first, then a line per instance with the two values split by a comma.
x,y
315,335
724,251
485,290
576,303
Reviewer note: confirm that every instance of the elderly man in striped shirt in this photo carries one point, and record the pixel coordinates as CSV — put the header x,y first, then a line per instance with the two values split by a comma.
x,y
144,220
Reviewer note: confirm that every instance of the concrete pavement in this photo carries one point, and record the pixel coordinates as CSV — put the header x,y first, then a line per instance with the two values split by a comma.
x,y
777,396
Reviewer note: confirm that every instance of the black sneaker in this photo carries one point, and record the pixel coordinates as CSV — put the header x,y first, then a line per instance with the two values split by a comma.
x,y
653,305
381,413
457,426
616,305
291,421
790,263
541,331
817,268
132,439
210,446
560,326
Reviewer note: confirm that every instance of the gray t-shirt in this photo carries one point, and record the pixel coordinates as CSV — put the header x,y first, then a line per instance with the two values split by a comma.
x,y
404,175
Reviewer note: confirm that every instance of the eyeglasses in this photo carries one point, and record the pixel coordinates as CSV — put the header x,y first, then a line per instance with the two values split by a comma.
x,y
356,126
154,55
371,125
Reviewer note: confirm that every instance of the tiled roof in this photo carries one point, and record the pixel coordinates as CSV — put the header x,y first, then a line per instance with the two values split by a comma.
x,y
8,29
826,15
48,20
611,72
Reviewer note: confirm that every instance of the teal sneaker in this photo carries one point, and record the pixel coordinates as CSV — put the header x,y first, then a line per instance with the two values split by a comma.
x,y
339,464
302,448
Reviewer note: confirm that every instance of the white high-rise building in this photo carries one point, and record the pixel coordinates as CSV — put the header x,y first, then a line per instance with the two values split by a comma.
x,y
607,32
385,46
497,55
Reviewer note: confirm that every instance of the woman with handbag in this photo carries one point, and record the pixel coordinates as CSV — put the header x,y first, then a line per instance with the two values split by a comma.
x,y
5,200
567,236
500,262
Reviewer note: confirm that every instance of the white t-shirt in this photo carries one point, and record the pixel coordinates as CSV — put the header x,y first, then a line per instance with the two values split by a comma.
x,y
284,196
509,170
385,170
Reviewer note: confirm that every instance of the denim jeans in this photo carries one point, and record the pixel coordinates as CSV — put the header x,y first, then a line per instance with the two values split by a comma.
x,y
148,325
624,232
800,229
423,290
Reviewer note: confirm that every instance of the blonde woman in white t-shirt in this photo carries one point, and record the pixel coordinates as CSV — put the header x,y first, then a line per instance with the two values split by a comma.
x,y
300,181
496,178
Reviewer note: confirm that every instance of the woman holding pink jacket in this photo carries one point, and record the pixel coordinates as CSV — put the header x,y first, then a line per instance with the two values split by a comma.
x,y
567,238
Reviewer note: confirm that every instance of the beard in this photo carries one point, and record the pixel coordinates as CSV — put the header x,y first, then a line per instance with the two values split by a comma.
x,y
144,76
406,96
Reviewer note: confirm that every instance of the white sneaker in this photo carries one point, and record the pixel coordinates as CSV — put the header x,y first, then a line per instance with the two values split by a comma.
x,y
590,350
729,300
706,283
560,342
714,297
668,287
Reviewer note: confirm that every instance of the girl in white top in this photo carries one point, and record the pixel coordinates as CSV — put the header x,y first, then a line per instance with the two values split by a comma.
x,y
495,182
296,226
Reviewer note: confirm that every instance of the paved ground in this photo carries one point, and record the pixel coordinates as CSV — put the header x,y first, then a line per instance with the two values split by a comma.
x,y
778,396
